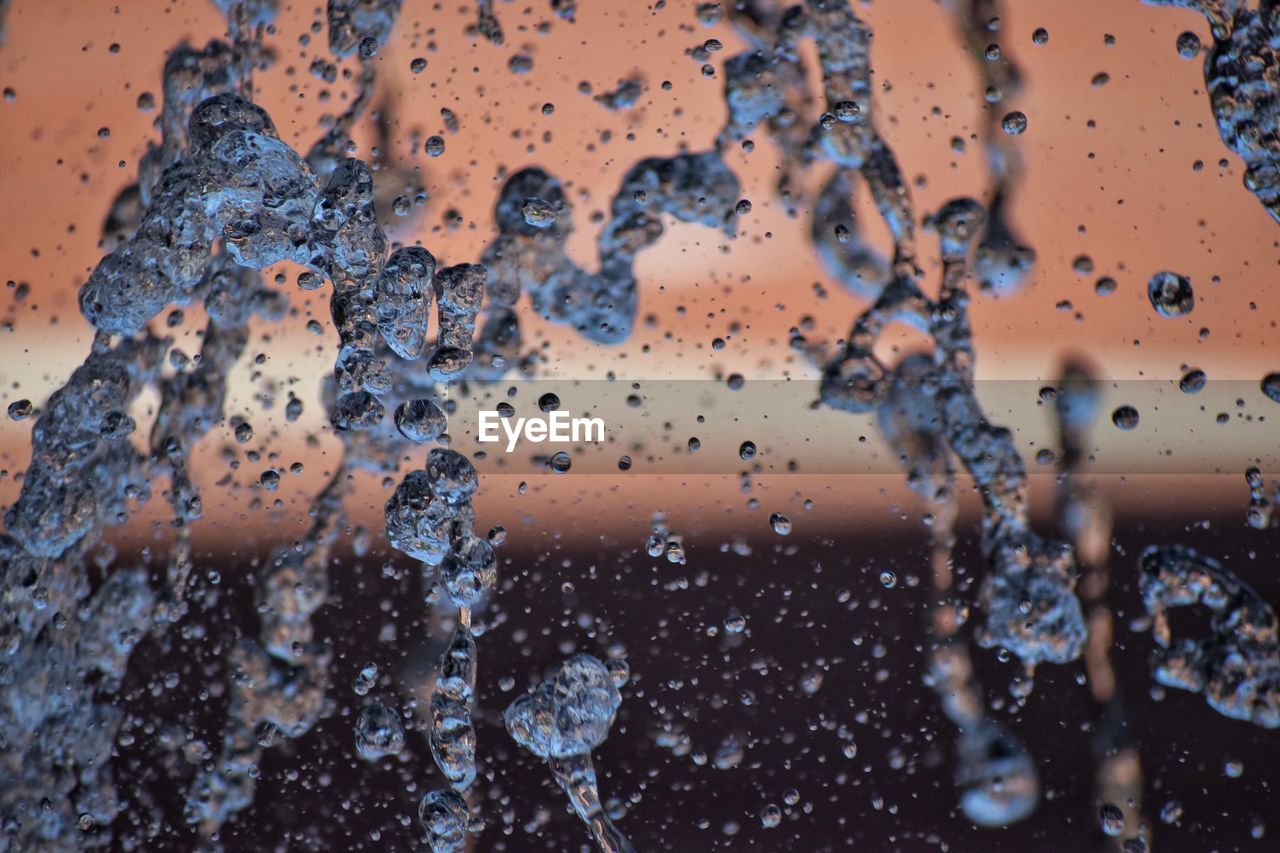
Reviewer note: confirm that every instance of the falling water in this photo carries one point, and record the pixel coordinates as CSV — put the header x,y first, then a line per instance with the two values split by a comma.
x,y
221,197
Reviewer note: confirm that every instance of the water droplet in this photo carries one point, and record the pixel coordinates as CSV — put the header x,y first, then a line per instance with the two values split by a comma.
x,y
420,421
379,732
1171,294
1015,123
1112,819
1125,417
1270,386
1188,45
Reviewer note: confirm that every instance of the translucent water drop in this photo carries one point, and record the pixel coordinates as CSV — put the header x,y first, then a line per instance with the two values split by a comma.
x,y
1171,294
379,732
420,421
1014,123
452,736
366,678
468,570
1192,382
538,213
1111,819
1125,417
569,713
780,523
1188,45
403,300
444,817
1270,386
997,779
770,816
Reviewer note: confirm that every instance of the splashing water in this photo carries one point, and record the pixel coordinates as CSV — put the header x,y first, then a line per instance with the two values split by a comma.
x,y
561,721
1242,77
222,197
1237,666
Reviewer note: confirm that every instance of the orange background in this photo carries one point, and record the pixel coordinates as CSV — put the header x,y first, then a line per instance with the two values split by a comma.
x,y
1122,191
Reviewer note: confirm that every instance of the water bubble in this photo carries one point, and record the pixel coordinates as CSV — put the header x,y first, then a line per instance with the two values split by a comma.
x,y
452,735
780,523
444,817
624,97
709,14
1125,417
1111,819
538,213
1192,382
1188,45
888,579
735,624
770,816
1014,123
569,713
1040,36
379,732
365,679
1171,812
420,421
1270,386
747,451
434,146
20,410
1171,294
548,402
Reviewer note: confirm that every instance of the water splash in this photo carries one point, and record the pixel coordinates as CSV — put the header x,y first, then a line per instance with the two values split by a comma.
x,y
561,721
1002,262
1028,594
1237,666
995,775
1086,519
1242,77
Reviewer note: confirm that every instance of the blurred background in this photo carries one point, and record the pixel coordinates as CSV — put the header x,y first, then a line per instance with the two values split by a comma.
x,y
1123,178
